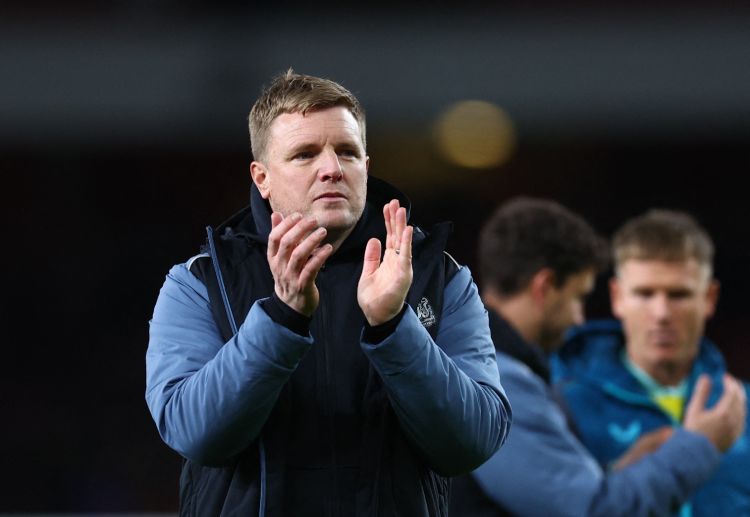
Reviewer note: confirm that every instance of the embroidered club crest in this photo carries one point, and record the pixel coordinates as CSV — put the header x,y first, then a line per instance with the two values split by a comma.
x,y
425,313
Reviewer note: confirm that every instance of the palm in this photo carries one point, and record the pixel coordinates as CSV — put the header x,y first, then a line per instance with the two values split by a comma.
x,y
383,285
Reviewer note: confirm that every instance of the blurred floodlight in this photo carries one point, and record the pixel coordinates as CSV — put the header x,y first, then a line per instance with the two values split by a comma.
x,y
475,134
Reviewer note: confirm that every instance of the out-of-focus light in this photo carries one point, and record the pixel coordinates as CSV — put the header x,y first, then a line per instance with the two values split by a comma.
x,y
475,134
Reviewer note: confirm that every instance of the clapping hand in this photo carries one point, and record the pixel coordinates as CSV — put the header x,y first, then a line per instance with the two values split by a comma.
x,y
295,255
383,285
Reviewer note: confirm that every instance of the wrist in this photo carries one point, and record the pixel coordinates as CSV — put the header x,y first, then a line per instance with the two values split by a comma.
x,y
298,303
377,318
286,316
377,333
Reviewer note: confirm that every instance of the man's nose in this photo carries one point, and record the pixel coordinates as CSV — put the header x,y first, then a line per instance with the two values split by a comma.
x,y
660,307
329,168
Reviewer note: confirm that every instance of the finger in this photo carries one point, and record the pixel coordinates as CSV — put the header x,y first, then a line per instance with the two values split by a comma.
x,y
742,392
372,258
398,227
392,242
733,403
400,223
388,228
405,245
700,395
293,236
279,229
312,267
732,395
742,411
301,253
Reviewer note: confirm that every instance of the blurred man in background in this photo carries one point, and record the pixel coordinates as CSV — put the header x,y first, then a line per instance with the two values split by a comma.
x,y
324,358
654,368
538,261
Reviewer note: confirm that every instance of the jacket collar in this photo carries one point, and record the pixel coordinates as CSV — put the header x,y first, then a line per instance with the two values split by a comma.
x,y
593,352
508,341
253,223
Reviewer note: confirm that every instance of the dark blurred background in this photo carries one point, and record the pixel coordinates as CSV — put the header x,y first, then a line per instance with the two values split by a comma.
x,y
124,133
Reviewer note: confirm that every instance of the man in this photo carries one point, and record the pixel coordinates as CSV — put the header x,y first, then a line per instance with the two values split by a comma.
x,y
538,261
288,366
622,381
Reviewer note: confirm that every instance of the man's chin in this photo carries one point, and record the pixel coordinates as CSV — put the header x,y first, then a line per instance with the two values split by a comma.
x,y
670,357
335,220
336,225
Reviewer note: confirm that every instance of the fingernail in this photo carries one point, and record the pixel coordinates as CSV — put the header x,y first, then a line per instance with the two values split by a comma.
x,y
321,230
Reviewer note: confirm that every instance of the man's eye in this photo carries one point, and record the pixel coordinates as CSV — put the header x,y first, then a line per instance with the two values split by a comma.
x,y
351,153
304,155
680,295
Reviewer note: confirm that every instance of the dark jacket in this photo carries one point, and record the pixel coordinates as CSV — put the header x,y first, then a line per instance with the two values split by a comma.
x,y
329,423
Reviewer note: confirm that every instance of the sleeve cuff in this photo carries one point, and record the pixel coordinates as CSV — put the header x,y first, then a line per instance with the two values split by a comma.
x,y
285,316
378,333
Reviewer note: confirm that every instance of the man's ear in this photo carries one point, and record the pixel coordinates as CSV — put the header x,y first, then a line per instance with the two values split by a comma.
x,y
712,297
541,284
260,177
615,295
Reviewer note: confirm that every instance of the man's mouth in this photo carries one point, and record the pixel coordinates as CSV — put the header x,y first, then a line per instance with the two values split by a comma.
x,y
663,337
331,196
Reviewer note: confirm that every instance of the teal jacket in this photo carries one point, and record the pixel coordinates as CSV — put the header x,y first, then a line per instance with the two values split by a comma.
x,y
543,470
612,410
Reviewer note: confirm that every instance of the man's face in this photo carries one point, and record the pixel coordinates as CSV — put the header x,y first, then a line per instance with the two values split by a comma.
x,y
315,164
564,307
663,307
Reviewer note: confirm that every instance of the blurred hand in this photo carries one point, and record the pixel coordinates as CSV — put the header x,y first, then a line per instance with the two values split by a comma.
x,y
295,256
723,423
383,286
646,444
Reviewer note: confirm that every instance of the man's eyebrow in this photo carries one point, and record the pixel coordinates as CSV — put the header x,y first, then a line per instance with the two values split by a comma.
x,y
348,142
303,146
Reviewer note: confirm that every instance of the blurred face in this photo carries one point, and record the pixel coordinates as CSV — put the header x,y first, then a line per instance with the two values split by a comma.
x,y
663,307
564,307
315,164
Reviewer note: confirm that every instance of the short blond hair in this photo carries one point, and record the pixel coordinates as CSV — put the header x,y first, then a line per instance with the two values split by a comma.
x,y
663,235
291,92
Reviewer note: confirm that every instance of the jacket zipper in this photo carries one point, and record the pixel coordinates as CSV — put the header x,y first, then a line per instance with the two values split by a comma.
x,y
233,326
329,394
220,278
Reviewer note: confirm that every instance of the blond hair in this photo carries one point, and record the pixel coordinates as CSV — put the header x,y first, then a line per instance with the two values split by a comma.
x,y
663,235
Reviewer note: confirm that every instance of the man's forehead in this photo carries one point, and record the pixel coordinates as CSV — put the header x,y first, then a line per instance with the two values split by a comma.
x,y
315,124
657,271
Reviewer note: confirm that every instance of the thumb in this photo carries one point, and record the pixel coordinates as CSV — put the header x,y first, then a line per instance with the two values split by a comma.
x,y
372,258
700,395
